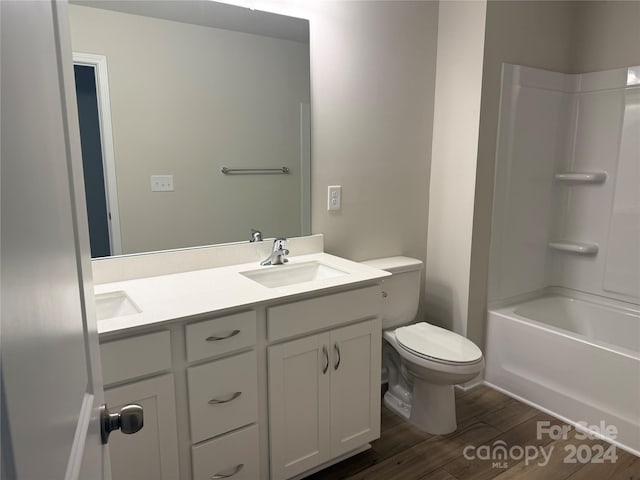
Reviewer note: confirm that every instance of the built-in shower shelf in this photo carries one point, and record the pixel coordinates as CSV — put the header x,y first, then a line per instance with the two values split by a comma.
x,y
580,248
581,177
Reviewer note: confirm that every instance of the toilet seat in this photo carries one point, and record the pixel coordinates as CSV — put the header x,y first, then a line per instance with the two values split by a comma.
x,y
437,344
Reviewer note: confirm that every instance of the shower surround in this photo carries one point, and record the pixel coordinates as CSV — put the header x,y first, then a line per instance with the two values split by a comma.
x,y
566,231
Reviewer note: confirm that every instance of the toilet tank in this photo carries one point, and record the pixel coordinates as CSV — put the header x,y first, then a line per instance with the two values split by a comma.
x,y
401,291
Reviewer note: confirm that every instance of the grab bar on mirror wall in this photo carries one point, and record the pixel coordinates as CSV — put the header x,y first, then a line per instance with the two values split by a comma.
x,y
254,171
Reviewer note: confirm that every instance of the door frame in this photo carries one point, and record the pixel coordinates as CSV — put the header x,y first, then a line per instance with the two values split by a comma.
x,y
99,63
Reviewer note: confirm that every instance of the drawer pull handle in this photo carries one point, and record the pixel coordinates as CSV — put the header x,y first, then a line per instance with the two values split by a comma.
x,y
214,338
337,349
228,475
216,401
326,359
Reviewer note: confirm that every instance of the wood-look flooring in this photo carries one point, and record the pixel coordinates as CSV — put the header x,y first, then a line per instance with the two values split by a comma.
x,y
485,416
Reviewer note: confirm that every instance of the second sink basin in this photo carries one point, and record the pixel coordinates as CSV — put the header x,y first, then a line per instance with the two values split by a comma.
x,y
114,304
283,275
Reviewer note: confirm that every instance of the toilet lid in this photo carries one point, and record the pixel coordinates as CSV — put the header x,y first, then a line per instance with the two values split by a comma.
x,y
438,343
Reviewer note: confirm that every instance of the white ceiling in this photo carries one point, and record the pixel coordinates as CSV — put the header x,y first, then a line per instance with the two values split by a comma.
x,y
211,14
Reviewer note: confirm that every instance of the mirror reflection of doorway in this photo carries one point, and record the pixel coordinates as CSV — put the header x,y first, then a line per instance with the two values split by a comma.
x,y
104,231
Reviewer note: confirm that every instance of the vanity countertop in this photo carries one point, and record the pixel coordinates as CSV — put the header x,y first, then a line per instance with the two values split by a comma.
x,y
179,295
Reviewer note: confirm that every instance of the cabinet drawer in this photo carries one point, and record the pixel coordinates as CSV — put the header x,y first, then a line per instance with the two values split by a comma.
x,y
297,318
135,357
220,458
220,335
223,395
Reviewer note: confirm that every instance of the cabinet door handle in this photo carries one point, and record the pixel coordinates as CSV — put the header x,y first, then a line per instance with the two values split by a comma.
x,y
326,359
337,349
214,338
216,401
228,475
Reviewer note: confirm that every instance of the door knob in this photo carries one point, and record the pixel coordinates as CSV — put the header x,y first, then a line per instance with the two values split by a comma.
x,y
129,419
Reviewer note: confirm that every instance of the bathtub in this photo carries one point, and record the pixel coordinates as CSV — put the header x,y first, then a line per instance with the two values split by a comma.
x,y
574,357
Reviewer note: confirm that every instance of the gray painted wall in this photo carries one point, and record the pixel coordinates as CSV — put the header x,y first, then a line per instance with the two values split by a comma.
x,y
607,35
373,73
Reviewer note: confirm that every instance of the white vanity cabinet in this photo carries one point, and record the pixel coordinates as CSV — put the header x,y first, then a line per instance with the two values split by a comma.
x,y
266,391
324,389
152,453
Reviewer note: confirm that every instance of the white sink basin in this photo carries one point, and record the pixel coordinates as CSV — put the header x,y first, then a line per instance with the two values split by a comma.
x,y
283,275
114,304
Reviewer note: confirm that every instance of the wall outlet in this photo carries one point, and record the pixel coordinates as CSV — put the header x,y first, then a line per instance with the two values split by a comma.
x,y
162,183
334,197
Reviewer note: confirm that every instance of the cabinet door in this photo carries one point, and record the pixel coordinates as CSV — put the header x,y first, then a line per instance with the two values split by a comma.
x,y
299,374
355,386
152,453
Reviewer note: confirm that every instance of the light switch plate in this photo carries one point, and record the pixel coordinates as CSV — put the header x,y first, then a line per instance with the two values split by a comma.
x,y
162,183
334,197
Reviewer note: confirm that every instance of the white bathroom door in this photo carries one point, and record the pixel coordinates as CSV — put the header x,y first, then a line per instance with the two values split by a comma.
x,y
51,378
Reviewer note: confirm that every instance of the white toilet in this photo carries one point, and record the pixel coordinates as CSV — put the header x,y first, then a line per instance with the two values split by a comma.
x,y
422,362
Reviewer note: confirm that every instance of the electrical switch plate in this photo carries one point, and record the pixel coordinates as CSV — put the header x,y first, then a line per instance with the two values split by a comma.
x,y
162,183
334,197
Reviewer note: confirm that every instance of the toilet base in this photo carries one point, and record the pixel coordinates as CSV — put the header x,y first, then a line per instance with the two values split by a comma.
x,y
397,406
435,413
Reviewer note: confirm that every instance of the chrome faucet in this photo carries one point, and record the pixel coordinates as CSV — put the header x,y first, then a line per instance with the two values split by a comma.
x,y
278,253
256,235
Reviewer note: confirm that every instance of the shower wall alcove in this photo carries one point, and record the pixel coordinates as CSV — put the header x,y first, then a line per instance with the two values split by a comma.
x,y
567,193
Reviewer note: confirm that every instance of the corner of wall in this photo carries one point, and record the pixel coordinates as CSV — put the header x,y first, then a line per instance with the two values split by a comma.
x,y
461,36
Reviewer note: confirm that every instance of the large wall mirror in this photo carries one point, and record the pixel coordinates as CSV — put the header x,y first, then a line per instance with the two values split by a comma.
x,y
195,123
